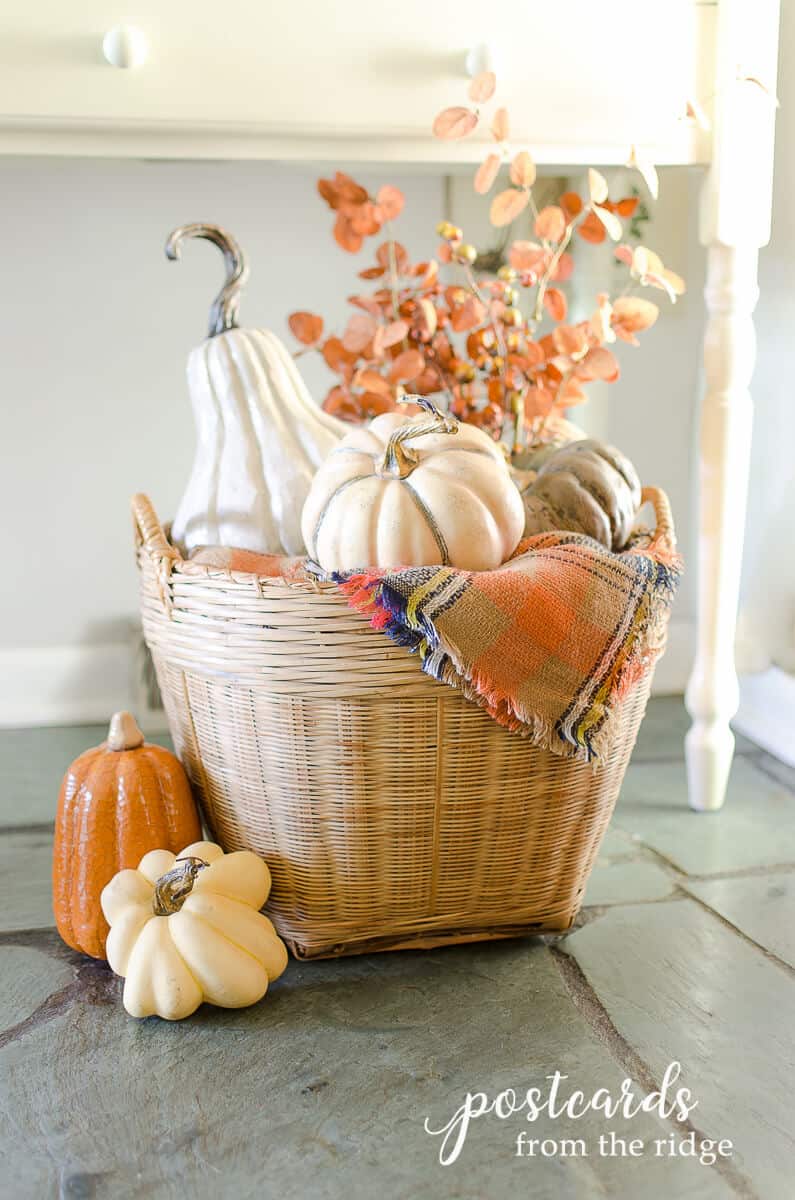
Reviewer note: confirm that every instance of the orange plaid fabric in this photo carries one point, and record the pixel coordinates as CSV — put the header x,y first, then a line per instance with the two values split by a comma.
x,y
546,643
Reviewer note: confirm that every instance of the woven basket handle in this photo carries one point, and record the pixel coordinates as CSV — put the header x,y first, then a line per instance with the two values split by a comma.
x,y
149,535
664,537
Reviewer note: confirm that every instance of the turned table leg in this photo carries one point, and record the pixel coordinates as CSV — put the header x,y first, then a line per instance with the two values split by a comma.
x,y
735,222
729,352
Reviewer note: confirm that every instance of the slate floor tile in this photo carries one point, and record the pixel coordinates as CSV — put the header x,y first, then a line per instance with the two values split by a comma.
x,y
679,986
625,882
617,844
761,906
755,828
29,976
25,871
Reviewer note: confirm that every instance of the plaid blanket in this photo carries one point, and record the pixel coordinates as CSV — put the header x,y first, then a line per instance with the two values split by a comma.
x,y
546,643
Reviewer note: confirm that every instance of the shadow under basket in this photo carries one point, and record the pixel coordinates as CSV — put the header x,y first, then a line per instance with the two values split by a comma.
x,y
392,812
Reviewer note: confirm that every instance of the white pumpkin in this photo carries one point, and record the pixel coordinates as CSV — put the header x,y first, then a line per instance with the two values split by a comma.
x,y
413,491
260,436
186,928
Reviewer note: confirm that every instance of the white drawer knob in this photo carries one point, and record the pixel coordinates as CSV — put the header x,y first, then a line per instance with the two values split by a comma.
x,y
125,46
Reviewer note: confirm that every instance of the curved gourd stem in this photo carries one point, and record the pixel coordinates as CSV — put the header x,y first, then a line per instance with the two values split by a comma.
x,y
399,459
223,314
173,888
123,733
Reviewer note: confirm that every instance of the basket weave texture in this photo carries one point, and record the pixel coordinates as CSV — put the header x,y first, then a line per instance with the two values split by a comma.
x,y
392,811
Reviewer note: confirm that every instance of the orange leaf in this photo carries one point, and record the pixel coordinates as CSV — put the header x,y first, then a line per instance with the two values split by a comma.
x,y
363,219
564,269
336,356
358,332
391,201
466,315
306,327
428,272
383,256
454,122
486,173
538,402
375,403
527,256
495,390
598,363
345,236
455,295
551,223
506,206
427,318
371,381
523,170
490,419
406,366
482,87
571,204
571,340
547,346
329,193
348,189
367,303
627,206
500,125
389,335
555,304
340,403
428,382
372,273
592,229
631,315
570,394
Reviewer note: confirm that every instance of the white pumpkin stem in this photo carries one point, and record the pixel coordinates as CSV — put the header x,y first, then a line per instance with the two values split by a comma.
x,y
223,314
173,888
123,733
399,459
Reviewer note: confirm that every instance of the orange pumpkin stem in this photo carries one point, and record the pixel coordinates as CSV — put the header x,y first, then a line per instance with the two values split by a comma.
x,y
123,733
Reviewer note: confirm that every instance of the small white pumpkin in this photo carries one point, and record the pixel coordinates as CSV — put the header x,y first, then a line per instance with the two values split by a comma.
x,y
260,436
586,487
186,928
413,491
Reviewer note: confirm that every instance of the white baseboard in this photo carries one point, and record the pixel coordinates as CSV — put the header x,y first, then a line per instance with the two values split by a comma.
x,y
70,685
767,712
76,685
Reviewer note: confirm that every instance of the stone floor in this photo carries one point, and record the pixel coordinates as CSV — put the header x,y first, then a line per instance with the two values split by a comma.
x,y
684,952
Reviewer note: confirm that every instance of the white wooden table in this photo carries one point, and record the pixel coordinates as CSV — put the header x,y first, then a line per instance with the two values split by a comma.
x,y
355,82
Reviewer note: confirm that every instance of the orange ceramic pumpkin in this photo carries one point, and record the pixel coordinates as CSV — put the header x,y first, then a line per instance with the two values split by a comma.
x,y
117,802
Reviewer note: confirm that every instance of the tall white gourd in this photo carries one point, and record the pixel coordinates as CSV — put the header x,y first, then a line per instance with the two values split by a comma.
x,y
259,435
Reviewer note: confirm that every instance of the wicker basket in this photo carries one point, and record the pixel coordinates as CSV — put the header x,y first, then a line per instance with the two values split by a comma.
x,y
392,811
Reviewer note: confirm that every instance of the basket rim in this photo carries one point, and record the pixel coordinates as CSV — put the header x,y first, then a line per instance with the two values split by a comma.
x,y
152,539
